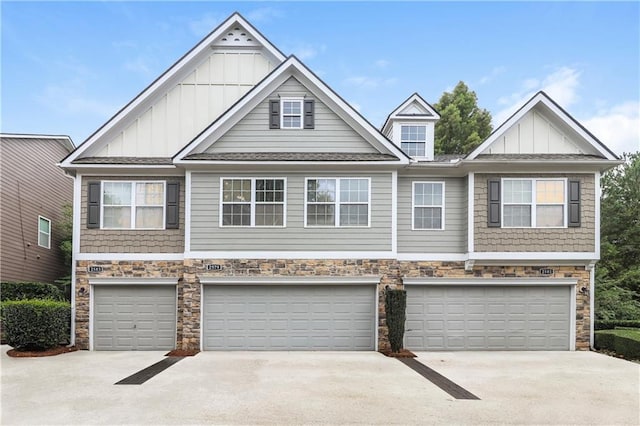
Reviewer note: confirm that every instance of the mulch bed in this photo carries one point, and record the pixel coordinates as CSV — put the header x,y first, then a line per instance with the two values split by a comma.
x,y
182,352
404,353
47,352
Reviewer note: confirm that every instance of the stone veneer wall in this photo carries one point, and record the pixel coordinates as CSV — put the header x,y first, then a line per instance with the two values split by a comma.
x,y
130,240
391,272
581,239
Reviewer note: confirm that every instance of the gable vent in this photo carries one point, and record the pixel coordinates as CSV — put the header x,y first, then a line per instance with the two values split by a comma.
x,y
235,37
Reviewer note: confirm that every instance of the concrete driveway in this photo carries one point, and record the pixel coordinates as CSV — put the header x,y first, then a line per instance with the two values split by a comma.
x,y
320,387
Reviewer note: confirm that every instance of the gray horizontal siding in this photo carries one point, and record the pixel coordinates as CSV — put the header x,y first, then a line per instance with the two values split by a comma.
x,y
454,236
252,133
206,234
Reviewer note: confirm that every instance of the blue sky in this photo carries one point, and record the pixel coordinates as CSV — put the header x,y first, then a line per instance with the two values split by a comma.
x,y
67,67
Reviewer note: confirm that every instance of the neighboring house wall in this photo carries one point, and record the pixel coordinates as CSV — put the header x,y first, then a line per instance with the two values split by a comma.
x,y
130,240
206,234
454,236
190,105
252,133
580,239
31,186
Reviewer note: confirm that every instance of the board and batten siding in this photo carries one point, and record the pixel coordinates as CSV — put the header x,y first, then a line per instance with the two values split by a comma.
x,y
130,240
206,234
190,106
32,185
453,239
252,133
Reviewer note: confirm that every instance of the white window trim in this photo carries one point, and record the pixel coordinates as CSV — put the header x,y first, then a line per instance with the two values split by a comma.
x,y
533,204
253,202
337,203
282,114
134,206
426,137
48,246
413,205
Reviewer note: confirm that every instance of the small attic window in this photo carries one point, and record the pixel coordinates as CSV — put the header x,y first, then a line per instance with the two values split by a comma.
x,y
413,140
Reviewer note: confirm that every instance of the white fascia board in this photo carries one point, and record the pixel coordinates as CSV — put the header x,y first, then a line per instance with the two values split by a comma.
x,y
432,257
130,256
542,256
291,67
64,139
314,280
289,255
285,163
134,281
167,77
511,281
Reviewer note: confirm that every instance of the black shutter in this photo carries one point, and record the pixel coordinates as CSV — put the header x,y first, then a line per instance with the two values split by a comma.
x,y
93,204
173,205
309,110
274,114
493,203
574,203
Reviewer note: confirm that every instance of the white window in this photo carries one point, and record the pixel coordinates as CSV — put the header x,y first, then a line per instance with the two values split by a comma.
x,y
413,140
291,113
254,202
44,232
133,205
428,205
534,203
342,202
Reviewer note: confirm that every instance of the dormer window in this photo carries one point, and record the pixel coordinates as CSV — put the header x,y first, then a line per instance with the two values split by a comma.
x,y
413,140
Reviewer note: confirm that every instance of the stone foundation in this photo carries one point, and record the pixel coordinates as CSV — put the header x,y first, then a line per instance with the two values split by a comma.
x,y
390,271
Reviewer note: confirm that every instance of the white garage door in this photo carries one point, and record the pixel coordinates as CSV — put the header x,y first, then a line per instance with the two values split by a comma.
x,y
134,317
288,317
455,318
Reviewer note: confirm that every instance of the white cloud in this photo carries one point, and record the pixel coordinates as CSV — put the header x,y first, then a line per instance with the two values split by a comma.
x,y
140,66
203,26
382,63
617,127
561,85
308,51
496,71
366,82
71,99
264,14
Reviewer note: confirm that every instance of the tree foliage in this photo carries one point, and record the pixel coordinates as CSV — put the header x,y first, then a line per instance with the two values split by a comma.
x,y
618,273
65,229
462,125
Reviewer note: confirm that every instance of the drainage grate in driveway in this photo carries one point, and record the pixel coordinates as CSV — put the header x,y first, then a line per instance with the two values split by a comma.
x,y
456,391
143,375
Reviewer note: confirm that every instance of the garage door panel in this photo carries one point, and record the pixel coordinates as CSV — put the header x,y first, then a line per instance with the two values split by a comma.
x,y
134,317
290,317
487,318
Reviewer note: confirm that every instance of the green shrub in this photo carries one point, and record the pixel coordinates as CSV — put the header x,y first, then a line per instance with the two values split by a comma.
x,y
625,342
395,307
36,324
28,290
611,324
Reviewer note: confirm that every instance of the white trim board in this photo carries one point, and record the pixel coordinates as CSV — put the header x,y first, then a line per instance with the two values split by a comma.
x,y
286,280
541,281
316,255
129,256
147,281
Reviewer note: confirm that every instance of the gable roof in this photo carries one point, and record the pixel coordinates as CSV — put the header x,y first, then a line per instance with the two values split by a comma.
x,y
291,67
63,140
541,98
425,111
217,37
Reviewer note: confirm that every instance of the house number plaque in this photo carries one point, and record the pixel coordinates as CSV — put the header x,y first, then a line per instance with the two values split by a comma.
x,y
95,268
214,267
546,271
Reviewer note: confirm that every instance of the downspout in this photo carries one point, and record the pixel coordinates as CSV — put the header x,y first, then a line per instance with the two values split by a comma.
x,y
75,247
592,296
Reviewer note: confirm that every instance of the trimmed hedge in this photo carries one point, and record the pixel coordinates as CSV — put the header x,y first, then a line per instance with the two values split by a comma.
x,y
395,307
36,324
29,290
625,342
611,324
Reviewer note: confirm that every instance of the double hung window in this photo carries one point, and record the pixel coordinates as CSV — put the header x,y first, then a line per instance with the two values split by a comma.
x,y
413,140
44,232
535,203
341,202
133,205
253,202
291,114
428,205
